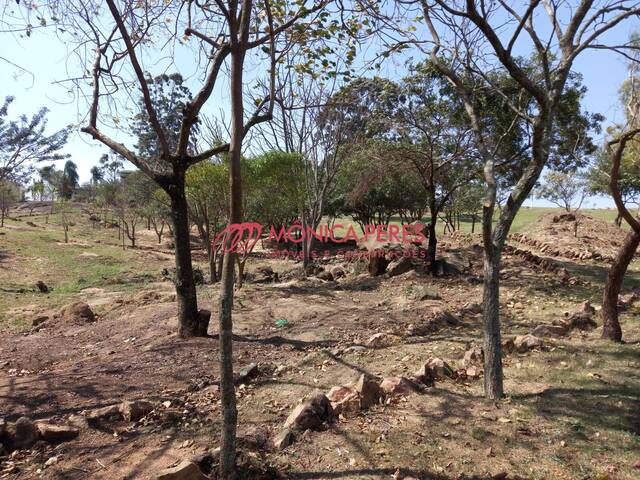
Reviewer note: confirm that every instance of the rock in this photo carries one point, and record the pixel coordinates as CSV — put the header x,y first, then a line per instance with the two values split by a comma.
x,y
56,433
455,264
42,287
187,470
397,386
581,321
78,421
51,462
473,372
285,438
3,426
473,356
439,368
248,373
22,434
508,345
265,275
588,308
338,271
132,411
472,308
564,217
424,375
524,343
443,318
311,414
39,320
400,266
421,292
546,330
78,312
369,391
325,275
377,263
344,400
105,413
381,339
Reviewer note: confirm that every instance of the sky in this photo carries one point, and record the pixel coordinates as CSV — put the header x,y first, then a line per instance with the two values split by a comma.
x,y
46,61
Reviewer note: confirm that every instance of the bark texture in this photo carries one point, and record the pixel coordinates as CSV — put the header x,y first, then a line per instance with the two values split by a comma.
x,y
615,277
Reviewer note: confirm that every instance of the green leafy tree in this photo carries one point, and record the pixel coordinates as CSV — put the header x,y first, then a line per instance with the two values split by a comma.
x,y
23,142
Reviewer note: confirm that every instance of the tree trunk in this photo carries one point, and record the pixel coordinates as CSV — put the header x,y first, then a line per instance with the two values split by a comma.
x,y
611,326
432,245
491,320
227,388
191,324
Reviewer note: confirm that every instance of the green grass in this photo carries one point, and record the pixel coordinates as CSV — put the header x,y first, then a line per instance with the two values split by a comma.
x,y
33,254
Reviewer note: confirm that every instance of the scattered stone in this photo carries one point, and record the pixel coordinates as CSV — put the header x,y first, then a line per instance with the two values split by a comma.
x,y
311,414
78,421
187,470
377,263
473,372
508,345
248,373
283,439
344,400
369,391
581,321
588,308
105,413
42,287
550,330
473,356
472,308
78,312
22,434
439,368
132,411
265,275
325,275
524,343
397,386
421,292
39,320
51,462
399,266
381,339
56,433
337,271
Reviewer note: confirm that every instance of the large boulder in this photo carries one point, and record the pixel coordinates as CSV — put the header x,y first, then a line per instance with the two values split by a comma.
x,y
311,414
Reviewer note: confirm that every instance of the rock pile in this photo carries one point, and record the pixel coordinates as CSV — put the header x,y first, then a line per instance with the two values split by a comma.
x,y
25,433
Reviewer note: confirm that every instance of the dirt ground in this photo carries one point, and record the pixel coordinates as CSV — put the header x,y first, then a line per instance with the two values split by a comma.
x,y
572,410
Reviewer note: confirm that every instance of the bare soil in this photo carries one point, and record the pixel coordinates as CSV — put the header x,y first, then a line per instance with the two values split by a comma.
x,y
572,410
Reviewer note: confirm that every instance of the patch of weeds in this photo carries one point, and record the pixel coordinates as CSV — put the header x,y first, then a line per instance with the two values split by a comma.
x,y
282,323
480,433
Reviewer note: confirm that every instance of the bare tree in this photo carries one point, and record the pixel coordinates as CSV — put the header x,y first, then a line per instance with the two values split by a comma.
x,y
467,42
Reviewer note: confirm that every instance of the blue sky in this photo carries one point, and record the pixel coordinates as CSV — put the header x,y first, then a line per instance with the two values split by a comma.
x,y
47,60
